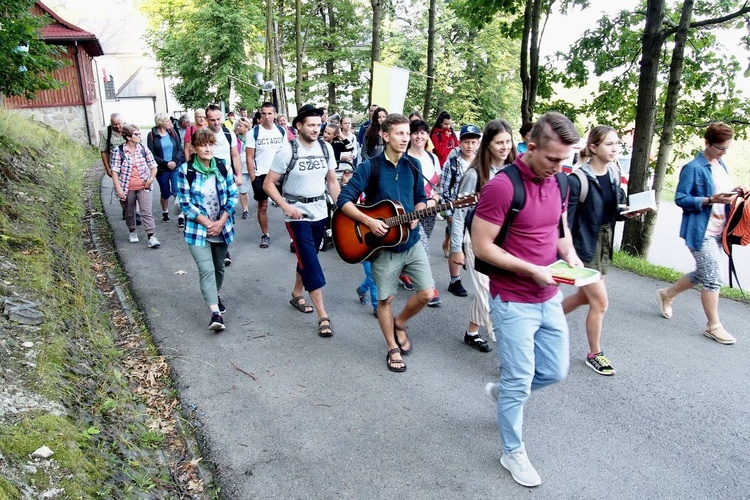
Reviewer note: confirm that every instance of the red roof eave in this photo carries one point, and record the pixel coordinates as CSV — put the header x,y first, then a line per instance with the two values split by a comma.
x,y
62,31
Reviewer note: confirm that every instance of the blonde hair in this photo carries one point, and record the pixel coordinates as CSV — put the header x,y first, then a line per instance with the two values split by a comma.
x,y
161,119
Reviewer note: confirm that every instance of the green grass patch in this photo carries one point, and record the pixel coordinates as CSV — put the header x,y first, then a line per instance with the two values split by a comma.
x,y
642,267
103,446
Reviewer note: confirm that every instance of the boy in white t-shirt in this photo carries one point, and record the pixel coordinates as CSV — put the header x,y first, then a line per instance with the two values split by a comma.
x,y
263,141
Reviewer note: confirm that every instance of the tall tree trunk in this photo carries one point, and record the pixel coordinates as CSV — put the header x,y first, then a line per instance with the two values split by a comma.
x,y
269,40
534,43
278,76
330,63
430,59
634,239
377,14
670,117
525,80
298,52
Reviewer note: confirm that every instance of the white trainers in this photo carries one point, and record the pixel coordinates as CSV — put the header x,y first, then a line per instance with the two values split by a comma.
x,y
133,237
492,390
521,469
153,242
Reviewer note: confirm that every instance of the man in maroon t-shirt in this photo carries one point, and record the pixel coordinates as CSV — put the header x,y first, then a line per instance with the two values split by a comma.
x,y
526,303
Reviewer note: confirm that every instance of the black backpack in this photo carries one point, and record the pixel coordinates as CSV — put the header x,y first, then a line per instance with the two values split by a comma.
x,y
519,200
374,182
190,173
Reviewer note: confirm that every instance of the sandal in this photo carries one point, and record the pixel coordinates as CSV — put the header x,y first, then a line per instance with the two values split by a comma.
x,y
406,343
297,302
389,361
325,330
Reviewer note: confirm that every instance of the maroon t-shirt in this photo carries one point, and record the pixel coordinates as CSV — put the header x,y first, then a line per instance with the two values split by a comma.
x,y
533,235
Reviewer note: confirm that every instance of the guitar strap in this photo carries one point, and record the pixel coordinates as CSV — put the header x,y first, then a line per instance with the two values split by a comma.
x,y
374,181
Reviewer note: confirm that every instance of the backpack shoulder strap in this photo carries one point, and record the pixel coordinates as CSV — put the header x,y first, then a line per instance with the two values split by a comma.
x,y
374,181
222,166
256,131
109,138
190,172
295,155
562,183
453,166
280,129
584,180
323,146
516,205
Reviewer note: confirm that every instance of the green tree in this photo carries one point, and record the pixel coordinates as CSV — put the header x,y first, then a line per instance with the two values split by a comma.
x,y
328,50
684,82
526,21
475,71
26,62
211,46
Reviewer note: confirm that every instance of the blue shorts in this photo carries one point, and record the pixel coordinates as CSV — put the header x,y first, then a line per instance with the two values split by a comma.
x,y
307,237
168,183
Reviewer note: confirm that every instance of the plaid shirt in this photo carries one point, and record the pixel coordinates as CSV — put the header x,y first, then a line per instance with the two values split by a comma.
x,y
449,192
193,204
123,164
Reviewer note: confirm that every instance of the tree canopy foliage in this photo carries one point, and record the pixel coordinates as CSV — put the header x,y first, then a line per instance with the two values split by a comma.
x,y
26,62
210,46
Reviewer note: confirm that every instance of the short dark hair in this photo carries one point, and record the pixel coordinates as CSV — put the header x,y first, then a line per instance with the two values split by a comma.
x,y
391,120
268,104
231,113
718,132
417,126
212,107
553,126
525,129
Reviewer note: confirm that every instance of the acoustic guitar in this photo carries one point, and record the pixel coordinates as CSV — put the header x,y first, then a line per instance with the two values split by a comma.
x,y
354,241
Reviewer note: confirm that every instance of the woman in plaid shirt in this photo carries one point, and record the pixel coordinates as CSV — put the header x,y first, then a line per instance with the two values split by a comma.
x,y
208,195
133,172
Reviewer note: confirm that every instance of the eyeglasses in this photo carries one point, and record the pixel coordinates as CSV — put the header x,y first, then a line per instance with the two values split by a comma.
x,y
137,133
720,148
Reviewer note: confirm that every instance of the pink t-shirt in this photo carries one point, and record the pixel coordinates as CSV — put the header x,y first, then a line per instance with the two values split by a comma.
x,y
533,235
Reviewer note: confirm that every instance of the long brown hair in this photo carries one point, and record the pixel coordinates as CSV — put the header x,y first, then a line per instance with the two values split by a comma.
x,y
482,162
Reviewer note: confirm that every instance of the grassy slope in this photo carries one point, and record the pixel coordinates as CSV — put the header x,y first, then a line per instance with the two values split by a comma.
x,y
107,444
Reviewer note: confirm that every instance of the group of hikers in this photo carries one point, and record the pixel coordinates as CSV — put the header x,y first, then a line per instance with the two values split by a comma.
x,y
529,214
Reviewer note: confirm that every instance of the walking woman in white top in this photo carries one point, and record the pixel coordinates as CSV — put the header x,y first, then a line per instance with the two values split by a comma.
x,y
496,150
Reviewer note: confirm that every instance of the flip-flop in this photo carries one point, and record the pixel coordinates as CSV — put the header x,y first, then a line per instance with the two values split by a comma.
x,y
297,302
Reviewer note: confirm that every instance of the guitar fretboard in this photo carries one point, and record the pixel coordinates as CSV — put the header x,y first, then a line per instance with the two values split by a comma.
x,y
417,214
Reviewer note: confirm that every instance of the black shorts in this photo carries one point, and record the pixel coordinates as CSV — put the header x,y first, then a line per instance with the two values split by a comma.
x,y
258,193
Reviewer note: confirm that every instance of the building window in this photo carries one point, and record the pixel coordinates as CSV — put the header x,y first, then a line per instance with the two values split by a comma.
x,y
109,88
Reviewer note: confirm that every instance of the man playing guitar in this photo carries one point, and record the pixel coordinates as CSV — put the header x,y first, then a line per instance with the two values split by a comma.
x,y
399,179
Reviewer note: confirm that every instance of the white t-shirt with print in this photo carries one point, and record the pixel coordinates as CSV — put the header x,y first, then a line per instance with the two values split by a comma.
x,y
308,177
266,147
221,150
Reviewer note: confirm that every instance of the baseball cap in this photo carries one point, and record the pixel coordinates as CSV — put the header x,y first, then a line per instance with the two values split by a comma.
x,y
469,131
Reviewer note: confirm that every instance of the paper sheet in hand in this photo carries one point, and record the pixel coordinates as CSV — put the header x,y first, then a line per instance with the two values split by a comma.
x,y
640,203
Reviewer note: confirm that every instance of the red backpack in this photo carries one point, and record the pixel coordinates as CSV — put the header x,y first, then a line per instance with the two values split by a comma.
x,y
737,230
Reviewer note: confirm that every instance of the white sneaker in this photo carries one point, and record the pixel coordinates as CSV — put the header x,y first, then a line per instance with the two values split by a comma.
x,y
492,390
153,242
133,237
521,469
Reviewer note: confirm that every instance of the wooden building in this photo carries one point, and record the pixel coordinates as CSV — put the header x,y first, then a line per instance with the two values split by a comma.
x,y
71,108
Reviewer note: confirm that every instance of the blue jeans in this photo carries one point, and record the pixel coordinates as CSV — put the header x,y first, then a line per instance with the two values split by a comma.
x,y
368,285
532,345
168,183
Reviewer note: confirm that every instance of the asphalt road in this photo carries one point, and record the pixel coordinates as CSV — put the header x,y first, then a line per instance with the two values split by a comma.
x,y
323,418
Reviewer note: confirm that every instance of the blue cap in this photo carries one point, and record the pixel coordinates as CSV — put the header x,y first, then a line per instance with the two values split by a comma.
x,y
468,131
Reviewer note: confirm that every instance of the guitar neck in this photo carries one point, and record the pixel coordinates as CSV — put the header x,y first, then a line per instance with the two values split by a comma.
x,y
417,214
